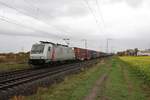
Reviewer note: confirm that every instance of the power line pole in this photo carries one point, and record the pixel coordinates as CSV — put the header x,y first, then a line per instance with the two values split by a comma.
x,y
67,40
107,47
22,49
85,43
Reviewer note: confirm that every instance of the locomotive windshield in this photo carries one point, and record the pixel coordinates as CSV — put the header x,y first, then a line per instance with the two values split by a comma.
x,y
37,49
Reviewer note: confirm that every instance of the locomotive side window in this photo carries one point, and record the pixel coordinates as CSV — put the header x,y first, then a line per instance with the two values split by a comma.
x,y
49,48
37,49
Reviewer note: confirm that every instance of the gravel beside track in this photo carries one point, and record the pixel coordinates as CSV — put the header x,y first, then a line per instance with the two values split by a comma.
x,y
26,82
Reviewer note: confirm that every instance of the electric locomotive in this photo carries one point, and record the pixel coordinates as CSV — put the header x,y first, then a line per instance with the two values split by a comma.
x,y
48,52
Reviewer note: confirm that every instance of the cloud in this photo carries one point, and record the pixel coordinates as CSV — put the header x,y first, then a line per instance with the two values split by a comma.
x,y
134,3
49,9
131,3
33,20
37,35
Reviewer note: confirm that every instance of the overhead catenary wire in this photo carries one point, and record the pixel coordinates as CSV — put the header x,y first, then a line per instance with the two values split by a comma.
x,y
90,9
93,14
21,25
11,21
6,5
62,29
19,11
35,29
100,13
38,9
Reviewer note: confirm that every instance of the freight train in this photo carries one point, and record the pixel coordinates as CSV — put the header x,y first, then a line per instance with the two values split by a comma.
x,y
50,53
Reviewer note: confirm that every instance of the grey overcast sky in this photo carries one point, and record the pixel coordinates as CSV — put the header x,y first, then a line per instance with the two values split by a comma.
x,y
24,22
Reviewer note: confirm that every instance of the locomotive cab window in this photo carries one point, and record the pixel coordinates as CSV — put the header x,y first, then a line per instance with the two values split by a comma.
x,y
37,49
49,48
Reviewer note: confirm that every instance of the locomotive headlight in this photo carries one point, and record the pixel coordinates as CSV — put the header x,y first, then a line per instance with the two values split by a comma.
x,y
42,57
31,57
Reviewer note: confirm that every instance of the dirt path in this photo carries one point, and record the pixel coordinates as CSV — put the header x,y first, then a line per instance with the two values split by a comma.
x,y
96,88
99,85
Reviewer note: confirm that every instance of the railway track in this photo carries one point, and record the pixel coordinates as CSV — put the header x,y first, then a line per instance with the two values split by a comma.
x,y
26,82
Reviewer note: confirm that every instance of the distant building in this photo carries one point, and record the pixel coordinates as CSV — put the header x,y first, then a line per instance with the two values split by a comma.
x,y
144,53
130,52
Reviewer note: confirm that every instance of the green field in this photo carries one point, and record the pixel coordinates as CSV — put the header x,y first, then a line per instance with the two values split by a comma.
x,y
140,65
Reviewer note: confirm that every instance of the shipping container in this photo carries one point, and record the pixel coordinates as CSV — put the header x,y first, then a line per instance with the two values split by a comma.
x,y
82,54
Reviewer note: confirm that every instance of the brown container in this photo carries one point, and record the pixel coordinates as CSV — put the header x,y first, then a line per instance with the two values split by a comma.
x,y
82,54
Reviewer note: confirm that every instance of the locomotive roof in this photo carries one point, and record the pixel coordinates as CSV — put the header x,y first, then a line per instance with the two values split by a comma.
x,y
46,42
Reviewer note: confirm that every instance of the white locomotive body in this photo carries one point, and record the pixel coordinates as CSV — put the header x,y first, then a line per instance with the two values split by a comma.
x,y
47,52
